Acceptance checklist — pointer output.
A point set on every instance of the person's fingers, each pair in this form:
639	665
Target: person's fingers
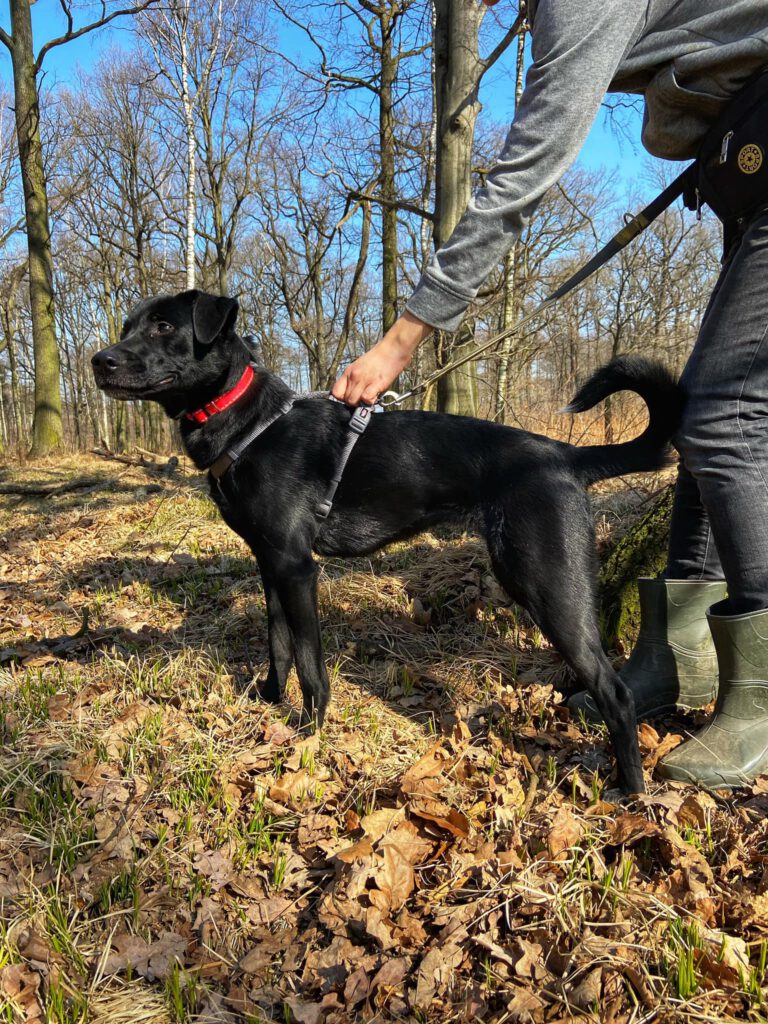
339	389
355	387
370	394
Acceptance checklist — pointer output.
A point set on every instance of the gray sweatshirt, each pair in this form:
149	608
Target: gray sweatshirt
686	57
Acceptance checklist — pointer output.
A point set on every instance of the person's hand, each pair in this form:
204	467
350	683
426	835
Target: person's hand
365	379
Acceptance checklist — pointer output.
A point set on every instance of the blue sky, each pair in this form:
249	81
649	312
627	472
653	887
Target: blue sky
604	148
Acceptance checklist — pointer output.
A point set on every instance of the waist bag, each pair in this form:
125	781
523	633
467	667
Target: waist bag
731	170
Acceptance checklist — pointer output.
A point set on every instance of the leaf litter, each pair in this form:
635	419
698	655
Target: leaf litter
448	848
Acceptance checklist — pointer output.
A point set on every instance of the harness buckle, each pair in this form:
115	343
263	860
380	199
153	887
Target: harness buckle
323	509
359	420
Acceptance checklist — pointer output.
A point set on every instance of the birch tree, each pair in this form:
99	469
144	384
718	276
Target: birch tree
187	62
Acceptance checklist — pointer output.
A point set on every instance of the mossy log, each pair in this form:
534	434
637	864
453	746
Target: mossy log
642	551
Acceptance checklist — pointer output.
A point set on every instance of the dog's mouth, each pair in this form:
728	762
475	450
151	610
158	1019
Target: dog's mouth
125	389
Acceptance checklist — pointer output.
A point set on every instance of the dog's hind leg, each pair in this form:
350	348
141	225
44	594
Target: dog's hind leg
543	555
280	644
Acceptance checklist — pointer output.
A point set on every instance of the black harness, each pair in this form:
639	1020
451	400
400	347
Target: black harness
360	419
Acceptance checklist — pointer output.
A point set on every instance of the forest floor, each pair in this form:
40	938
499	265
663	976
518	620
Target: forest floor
448	848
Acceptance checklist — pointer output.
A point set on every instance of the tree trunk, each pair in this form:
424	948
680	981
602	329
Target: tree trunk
389	250
191	191
642	551
510	264
8	314
458	70
47	432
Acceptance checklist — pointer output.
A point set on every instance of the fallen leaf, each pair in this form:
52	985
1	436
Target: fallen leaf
564	833
379	822
442	815
152	960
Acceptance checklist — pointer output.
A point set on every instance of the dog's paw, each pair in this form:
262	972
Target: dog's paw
269	690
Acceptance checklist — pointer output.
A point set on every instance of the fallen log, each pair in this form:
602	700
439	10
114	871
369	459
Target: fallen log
46	490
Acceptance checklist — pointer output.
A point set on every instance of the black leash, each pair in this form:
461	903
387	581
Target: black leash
682	185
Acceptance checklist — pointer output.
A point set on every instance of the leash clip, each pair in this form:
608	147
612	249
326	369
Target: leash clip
388	398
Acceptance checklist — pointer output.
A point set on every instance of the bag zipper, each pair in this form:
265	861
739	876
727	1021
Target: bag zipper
724	146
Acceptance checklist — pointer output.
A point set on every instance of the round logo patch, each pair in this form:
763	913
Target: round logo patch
750	158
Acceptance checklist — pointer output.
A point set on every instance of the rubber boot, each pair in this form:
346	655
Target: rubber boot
732	750
673	664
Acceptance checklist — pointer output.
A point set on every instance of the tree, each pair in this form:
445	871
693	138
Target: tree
47	432
459	70
186	44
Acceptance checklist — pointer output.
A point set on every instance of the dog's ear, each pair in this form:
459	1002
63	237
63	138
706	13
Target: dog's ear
211	315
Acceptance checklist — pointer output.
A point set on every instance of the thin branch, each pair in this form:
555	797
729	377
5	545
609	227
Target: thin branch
75	34
502	45
397	204
5	38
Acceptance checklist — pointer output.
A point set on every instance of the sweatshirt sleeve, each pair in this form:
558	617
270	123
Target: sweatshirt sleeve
577	49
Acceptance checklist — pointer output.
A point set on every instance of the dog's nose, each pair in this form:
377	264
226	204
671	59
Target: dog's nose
104	360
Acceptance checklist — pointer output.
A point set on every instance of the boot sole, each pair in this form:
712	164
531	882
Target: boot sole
661	709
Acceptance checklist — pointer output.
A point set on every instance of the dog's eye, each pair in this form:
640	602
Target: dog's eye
164	328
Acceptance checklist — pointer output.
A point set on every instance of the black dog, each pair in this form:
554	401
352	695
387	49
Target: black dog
409	471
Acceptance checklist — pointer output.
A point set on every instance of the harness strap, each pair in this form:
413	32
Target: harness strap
218	468
361	417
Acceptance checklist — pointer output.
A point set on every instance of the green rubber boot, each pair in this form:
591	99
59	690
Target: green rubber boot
732	750
673	664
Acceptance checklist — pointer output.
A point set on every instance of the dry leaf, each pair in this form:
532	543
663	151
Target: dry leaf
19	986
564	833
442	815
379	822
151	960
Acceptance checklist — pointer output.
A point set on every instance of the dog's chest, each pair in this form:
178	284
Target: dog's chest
227	508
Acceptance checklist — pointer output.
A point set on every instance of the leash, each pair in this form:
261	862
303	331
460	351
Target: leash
634	226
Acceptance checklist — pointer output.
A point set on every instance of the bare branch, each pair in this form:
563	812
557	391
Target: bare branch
502	45
73	33
396	203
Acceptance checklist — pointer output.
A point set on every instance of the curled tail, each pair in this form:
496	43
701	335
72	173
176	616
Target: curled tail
664	398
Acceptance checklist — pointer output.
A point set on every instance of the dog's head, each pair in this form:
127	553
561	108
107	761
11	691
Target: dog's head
172	347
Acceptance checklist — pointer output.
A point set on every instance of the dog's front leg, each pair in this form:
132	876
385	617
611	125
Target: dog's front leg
295	580
280	643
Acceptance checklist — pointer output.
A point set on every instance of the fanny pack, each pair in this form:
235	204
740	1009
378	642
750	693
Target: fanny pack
731	170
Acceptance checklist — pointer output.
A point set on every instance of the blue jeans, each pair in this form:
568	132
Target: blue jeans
720	514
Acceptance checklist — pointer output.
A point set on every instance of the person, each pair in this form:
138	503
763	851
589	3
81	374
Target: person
705	621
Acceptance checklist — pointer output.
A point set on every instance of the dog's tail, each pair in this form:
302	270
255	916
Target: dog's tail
651	450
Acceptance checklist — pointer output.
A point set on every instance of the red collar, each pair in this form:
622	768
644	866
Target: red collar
223	401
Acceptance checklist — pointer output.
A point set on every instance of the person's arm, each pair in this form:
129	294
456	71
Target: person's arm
577	49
